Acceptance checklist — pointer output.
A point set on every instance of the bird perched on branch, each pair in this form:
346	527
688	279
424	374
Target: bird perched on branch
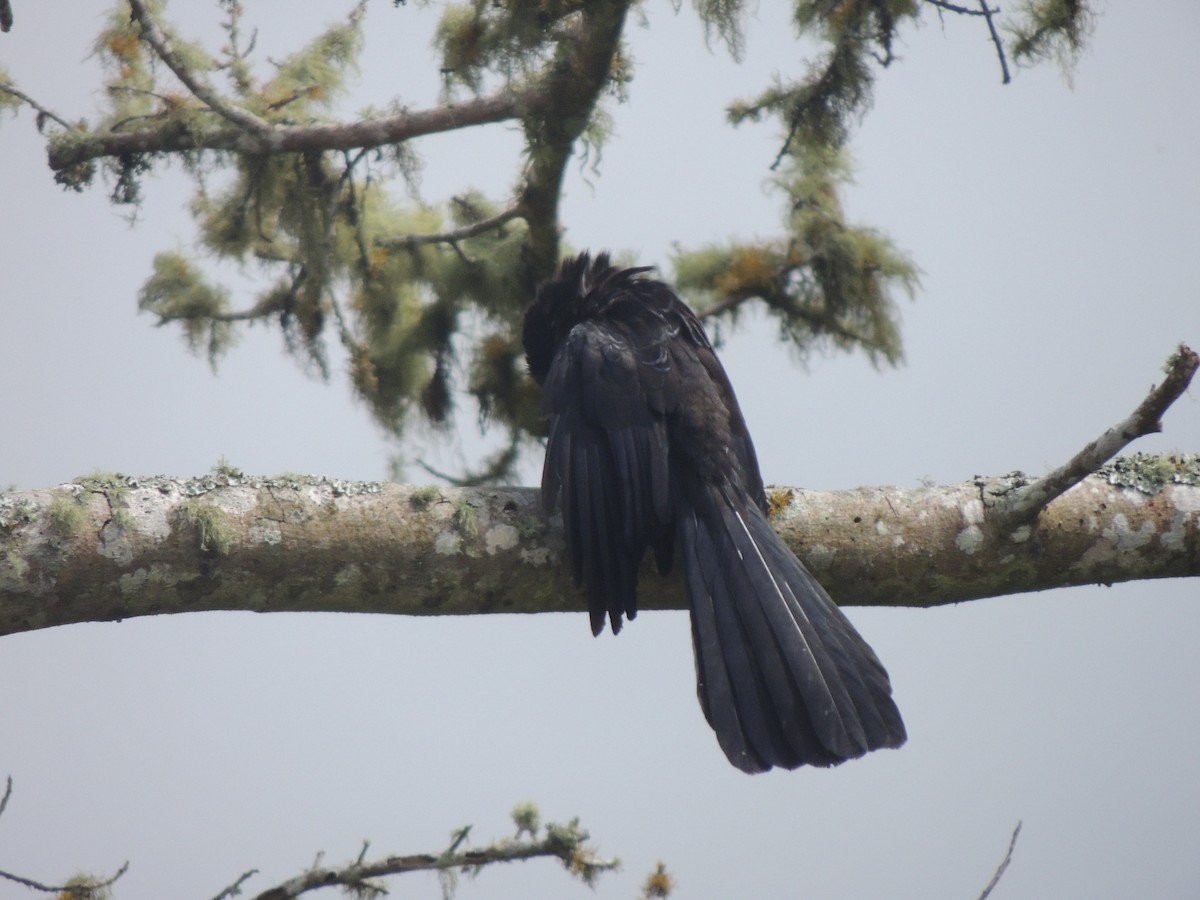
648	450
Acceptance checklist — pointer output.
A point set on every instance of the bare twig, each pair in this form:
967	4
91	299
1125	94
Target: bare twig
161	44
731	301
1012	843
954	8
7	794
42	111
988	12
235	889
1028	500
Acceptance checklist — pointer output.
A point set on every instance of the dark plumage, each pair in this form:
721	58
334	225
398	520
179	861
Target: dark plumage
648	449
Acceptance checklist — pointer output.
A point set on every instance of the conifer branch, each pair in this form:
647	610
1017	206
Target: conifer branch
83	147
161	43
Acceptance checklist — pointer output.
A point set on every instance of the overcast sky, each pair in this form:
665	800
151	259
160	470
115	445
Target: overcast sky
1057	230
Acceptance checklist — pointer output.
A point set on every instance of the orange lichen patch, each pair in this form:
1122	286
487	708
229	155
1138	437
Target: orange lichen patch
750	271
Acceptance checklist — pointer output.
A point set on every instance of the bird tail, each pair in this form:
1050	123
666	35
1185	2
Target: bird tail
783	677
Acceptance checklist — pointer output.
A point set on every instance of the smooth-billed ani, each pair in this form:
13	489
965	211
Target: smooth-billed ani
648	449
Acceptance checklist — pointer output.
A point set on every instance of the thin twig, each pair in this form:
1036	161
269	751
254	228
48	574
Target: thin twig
409	241
161	44
1003	865
726	303
235	889
987	13
67	889
7	794
955	8
1025	502
42	111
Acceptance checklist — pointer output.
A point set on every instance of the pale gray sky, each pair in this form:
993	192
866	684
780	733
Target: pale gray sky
1057	230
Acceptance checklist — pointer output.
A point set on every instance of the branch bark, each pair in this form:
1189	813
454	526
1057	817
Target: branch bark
109	548
75	147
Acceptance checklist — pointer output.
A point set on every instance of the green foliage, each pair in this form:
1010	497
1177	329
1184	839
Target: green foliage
424	497
509	40
426	299
8	102
178	292
308	81
725	18
65	515
528	819
214	534
826	282
658	883
85	887
1052	30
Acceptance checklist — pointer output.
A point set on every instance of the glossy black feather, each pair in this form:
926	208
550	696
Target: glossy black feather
648	449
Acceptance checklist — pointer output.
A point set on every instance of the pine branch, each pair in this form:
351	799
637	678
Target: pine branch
154	36
81	147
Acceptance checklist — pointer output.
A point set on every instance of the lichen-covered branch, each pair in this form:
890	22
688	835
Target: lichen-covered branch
76	147
110	547
578	73
154	36
568	843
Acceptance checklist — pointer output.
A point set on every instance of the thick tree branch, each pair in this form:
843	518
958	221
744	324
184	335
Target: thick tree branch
578	73
81	147
110	548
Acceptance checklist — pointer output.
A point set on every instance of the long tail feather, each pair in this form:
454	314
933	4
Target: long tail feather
784	678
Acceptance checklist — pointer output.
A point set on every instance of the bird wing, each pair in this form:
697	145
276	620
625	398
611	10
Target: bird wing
607	461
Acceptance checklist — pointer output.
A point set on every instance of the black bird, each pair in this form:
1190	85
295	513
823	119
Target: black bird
647	449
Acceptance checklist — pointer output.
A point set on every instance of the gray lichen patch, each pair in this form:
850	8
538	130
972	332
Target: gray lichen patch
16	512
447	544
1187	513
1150	473
116	542
970	540
500	537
